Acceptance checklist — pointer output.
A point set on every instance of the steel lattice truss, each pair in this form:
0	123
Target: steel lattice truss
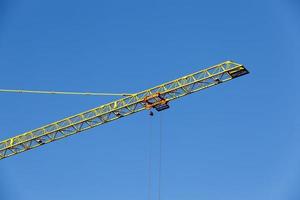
106	113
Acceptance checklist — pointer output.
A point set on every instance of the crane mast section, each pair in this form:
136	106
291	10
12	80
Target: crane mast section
169	91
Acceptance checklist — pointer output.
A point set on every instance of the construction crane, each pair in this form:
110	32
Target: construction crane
157	98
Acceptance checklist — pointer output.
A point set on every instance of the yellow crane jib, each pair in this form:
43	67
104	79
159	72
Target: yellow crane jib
157	98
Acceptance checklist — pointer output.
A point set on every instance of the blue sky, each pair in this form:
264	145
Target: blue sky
236	141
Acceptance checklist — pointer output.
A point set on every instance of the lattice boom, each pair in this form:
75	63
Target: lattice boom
117	109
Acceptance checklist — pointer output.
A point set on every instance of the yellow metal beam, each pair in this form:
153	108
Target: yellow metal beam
156	97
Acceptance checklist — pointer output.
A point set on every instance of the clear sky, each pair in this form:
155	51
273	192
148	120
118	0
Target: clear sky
235	141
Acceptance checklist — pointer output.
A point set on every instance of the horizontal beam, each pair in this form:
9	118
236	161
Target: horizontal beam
120	108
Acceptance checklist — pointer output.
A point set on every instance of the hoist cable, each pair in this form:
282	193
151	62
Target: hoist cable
160	155
150	159
64	93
